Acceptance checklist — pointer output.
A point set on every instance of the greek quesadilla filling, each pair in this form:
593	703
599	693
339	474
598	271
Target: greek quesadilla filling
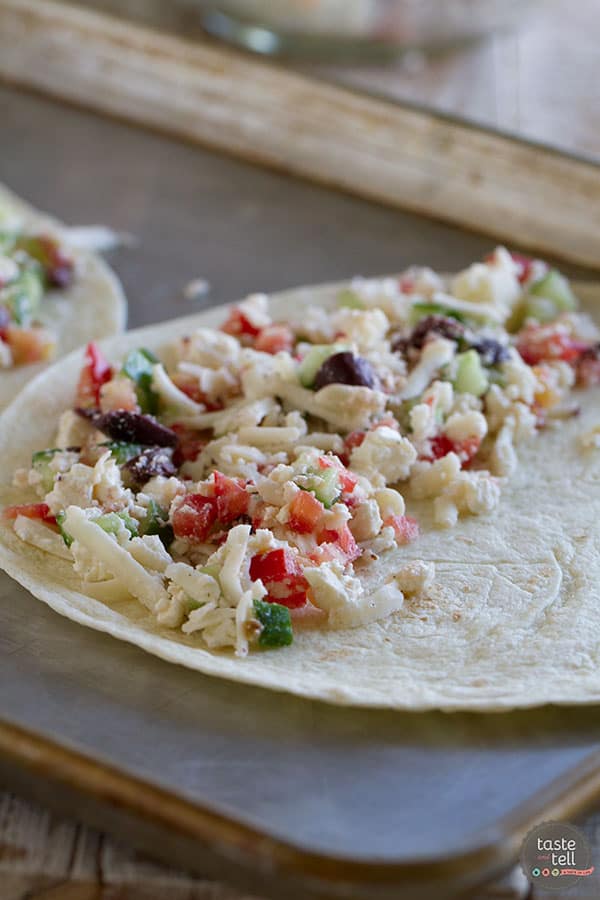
250	480
31	266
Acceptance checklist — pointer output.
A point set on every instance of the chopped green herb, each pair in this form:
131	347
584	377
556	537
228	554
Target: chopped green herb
276	624
138	366
60	518
121	451
156	521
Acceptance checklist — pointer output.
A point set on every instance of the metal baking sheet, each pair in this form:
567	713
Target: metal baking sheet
383	798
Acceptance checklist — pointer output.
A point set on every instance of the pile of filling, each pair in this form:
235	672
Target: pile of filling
31	265
245	483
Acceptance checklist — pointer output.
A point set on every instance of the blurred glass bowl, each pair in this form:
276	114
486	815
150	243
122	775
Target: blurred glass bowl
346	27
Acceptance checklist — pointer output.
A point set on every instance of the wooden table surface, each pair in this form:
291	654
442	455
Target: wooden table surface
540	82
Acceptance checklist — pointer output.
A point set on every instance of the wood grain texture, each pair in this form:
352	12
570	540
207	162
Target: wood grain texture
43	858
538	81
387	152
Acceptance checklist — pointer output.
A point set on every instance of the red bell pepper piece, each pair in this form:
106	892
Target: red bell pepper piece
30	511
96	372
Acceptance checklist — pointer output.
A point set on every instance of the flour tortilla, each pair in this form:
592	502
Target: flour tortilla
93	308
514	619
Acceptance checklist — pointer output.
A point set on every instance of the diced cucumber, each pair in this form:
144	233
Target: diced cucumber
276	624
555	287
112	522
121	451
540	308
471	377
314	359
156	521
60	518
40	461
348	298
23	296
418	311
138	366
323	483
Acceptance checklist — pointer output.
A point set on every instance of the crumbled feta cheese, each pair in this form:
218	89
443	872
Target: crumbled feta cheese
341	596
463	426
415	577
73	488
521	381
384	457
205	347
495	282
471	492
366	521
431	479
365	328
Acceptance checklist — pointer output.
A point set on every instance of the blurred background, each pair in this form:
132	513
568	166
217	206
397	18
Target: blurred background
525	66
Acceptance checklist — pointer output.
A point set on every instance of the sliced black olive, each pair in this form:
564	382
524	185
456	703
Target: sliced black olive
135	428
346	368
151	462
444	326
492	352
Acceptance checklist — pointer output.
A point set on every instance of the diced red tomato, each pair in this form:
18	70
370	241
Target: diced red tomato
28	345
237	324
274	339
539	343
354	439
232	498
342	541
30	511
405	528
194	517
96	372
305	513
281	574
406	284
274	565
440	446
